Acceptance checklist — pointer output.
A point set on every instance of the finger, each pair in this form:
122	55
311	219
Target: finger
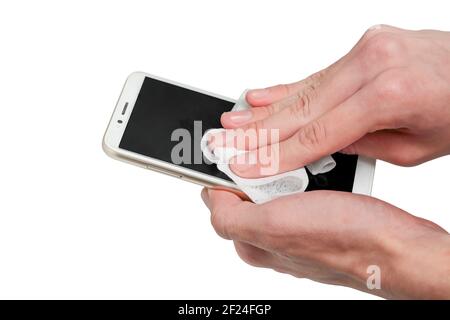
269	95
278	97
308	106
235	219
236	119
214	198
337	87
282	96
325	135
270	101
339	84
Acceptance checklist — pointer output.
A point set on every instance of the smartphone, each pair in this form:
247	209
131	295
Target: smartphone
151	113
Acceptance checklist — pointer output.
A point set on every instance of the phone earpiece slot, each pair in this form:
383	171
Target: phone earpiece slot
125	108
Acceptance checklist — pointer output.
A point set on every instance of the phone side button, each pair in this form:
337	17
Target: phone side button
163	171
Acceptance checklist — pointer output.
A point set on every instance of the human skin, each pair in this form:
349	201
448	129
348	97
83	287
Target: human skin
333	237
388	98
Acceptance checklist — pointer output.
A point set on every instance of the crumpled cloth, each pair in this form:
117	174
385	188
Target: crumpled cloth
261	190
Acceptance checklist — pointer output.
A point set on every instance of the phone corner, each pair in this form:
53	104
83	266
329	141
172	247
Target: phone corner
107	148
135	75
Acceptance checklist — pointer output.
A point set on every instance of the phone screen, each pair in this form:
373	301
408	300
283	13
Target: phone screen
161	108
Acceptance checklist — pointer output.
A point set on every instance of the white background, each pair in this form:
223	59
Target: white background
77	224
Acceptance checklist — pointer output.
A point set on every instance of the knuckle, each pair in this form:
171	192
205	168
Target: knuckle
382	47
318	75
271	109
301	108
314	79
251	135
254	127
254	132
395	84
312	135
374	29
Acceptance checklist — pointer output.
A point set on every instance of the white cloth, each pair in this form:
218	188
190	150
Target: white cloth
261	190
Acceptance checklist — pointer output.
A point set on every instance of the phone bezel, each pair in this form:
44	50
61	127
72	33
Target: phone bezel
115	131
365	167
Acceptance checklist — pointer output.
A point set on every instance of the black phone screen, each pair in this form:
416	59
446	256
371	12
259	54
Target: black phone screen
162	109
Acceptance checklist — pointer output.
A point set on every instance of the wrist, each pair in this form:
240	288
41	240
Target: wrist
420	268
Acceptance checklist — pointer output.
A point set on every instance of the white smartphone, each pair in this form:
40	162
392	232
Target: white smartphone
150	109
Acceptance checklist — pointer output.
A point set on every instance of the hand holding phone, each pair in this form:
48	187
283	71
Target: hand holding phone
158	124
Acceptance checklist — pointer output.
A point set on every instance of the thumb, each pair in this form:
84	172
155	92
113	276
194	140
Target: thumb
231	217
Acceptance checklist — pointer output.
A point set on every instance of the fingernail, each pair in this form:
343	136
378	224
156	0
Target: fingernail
239	117
258	93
